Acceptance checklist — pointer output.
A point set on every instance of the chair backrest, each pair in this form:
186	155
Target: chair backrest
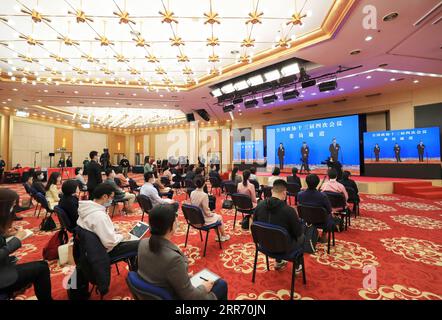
193	214
272	238
312	215
133	184
231	187
267	191
337	200
165	181
40	197
142	290
189	184
214	182
27	188
242	201
352	196
64	219
145	203
293	187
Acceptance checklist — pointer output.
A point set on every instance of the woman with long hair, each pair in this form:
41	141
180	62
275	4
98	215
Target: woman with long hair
52	191
162	264
247	188
69	200
234	176
17	277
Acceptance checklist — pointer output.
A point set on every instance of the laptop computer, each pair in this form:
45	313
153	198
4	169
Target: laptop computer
138	231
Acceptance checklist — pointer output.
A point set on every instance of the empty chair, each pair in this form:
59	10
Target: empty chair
317	216
292	191
65	222
339	205
353	198
142	290
145	204
231	188
195	218
275	242
243	203
215	184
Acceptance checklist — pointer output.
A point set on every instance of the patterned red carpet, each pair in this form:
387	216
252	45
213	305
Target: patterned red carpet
400	237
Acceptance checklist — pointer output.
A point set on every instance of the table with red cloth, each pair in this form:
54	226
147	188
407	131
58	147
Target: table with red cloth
66	172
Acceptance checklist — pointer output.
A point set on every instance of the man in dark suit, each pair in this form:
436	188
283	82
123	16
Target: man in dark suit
2	167
334	150
305	151
281	154
314	198
420	151
94	177
294	178
105	159
397	152
377	151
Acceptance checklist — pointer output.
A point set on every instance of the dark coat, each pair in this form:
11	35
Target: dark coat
8	272
94	177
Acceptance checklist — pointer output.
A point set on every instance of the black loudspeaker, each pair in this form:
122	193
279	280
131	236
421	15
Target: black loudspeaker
328	86
190	117
51	154
203	114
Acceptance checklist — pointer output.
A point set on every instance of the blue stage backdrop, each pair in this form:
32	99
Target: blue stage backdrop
248	151
318	135
408	140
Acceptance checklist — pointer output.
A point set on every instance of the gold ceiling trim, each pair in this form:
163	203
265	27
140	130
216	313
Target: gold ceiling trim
335	16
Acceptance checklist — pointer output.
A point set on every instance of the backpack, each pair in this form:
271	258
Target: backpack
47	224
339	224
227	204
311	236
50	251
245	222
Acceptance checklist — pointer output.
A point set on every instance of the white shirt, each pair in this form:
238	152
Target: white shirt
152	193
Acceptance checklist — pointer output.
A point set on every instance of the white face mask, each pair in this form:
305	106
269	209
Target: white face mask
108	203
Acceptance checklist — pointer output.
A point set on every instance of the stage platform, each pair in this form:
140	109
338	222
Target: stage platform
369	185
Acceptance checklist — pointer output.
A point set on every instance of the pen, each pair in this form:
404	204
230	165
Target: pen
204	279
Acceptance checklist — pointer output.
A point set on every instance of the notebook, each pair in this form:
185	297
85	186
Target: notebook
28	233
138	231
203	275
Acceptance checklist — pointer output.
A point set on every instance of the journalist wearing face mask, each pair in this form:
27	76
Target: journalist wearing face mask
15	278
92	216
38	182
163	264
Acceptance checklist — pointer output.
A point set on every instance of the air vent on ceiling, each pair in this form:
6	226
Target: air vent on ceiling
400	79
82	102
312	105
174	97
373	95
287	109
121	94
339	101
128	103
25	100
266	113
59	91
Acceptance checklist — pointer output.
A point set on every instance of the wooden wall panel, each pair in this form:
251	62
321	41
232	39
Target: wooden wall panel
64	138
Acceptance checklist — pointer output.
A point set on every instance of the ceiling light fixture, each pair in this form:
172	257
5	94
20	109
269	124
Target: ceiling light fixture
255	80
272	75
290	70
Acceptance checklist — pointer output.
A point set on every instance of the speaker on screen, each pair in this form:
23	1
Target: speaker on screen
190	117
203	114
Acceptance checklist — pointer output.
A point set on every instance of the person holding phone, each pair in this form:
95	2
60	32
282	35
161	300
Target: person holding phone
162	264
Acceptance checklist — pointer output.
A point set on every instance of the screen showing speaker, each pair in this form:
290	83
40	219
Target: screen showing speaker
313	142
420	145
248	151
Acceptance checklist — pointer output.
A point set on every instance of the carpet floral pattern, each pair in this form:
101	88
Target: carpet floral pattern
398	238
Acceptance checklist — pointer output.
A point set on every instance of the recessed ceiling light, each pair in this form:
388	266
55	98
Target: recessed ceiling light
390	16
368	77
68	101
15	89
341	89
38	100
134	94
76	92
9	99
314	94
107	93
392	79
356	87
368	38
416	81
93	102
161	96
164	105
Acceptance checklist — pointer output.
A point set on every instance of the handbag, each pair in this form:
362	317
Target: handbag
227	204
50	251
311	236
47	224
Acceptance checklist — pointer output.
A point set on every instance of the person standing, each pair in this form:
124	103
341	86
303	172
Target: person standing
94	177
105	159
420	151
377	151
2	167
397	152
305	151
61	162
281	154
85	164
124	164
69	162
334	150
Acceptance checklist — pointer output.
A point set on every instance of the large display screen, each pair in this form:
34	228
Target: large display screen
248	151
324	138
420	145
